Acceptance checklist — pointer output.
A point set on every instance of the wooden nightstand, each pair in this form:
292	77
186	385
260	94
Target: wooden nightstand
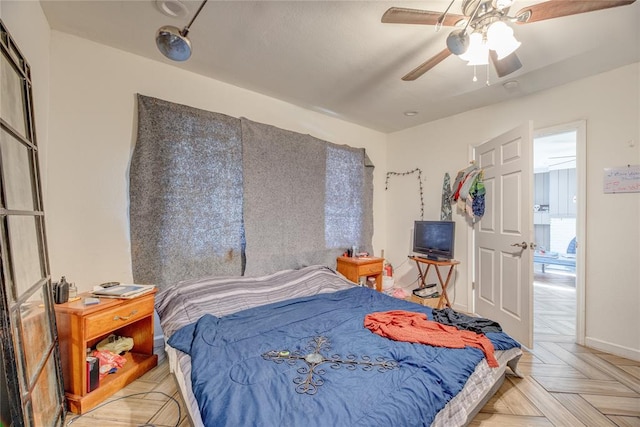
354	268
81	327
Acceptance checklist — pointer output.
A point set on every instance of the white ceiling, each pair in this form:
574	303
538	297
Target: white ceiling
336	57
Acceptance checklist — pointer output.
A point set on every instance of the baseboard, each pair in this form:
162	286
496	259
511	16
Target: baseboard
618	350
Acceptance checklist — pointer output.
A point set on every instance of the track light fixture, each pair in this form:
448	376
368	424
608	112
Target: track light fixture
173	42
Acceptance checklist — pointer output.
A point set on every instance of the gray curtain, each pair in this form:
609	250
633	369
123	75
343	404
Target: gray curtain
185	194
305	200
212	195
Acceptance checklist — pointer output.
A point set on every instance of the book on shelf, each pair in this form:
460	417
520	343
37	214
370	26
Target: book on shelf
122	291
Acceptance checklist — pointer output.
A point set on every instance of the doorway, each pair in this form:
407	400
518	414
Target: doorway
556	220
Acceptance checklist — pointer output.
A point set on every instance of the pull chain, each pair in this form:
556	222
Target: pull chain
488	84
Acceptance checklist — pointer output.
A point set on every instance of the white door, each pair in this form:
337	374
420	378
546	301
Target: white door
503	258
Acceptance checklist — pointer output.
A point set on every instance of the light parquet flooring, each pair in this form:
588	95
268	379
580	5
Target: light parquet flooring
562	384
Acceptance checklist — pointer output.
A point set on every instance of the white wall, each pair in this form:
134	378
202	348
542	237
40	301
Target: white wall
609	103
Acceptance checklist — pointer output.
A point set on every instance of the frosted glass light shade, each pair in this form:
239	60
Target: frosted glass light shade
500	38
478	52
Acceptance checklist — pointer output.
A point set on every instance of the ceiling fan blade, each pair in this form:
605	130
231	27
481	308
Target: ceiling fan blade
426	66
401	15
506	65
562	163
558	8
562	157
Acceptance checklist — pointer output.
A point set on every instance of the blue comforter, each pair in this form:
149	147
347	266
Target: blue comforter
310	362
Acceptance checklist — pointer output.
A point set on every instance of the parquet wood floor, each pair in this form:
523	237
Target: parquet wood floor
563	384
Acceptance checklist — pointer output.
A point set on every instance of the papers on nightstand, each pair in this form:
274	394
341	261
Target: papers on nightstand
122	291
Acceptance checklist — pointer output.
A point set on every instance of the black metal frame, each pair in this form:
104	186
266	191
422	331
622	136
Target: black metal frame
21	388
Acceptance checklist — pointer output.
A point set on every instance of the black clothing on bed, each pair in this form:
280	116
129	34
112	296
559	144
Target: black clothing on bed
479	325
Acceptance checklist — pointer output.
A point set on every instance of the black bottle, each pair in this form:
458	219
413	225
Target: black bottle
62	291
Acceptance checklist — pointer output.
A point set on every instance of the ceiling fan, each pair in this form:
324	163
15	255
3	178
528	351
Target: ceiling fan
483	33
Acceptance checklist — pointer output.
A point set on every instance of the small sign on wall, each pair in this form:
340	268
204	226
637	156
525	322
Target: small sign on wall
624	179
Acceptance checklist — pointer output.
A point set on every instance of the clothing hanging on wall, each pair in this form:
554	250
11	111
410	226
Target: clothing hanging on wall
460	177
463	195
469	191
478	192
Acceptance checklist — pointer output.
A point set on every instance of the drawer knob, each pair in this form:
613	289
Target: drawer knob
125	317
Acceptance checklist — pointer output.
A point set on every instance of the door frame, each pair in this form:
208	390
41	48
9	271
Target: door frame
580	127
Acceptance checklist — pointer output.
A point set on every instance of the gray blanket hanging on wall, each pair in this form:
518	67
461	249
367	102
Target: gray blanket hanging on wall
184	161
203	185
305	200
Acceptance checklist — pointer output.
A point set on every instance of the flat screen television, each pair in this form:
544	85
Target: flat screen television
434	239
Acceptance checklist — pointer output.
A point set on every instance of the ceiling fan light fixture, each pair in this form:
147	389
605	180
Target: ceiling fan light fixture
500	38
507	48
502	4
490	19
478	52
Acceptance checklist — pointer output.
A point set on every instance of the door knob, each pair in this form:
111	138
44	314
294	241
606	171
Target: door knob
532	246
522	245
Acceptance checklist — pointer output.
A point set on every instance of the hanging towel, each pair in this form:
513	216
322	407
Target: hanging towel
414	327
456	185
469	206
464	189
460	178
468	183
445	213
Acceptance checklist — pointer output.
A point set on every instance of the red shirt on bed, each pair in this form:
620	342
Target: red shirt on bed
409	326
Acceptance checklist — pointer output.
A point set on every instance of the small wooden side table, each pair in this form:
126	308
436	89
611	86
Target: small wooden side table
443	283
82	326
354	268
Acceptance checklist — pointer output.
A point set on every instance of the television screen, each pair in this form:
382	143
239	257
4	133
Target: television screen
435	239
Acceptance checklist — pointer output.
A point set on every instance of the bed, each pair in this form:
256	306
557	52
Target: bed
291	348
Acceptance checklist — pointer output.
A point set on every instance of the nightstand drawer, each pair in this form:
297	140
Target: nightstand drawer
355	268
371	269
112	319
